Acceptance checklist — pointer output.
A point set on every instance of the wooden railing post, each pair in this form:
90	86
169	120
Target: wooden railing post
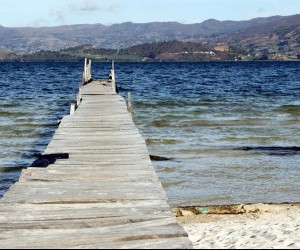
84	70
79	95
113	77
129	104
72	108
87	72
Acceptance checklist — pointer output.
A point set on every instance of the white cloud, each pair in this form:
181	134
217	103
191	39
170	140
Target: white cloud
58	14
87	6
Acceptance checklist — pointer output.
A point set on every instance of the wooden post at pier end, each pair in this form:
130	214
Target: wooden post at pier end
112	77
129	103
79	96
72	108
87	72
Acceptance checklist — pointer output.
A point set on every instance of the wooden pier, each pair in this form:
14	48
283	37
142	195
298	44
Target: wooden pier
99	189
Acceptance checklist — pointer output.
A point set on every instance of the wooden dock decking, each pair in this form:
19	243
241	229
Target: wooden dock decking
105	195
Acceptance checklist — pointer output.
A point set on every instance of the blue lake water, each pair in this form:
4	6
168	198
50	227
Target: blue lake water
232	129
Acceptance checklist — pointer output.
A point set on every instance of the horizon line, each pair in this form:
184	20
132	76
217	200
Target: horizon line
132	22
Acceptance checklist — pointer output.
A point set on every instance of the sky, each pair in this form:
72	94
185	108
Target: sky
40	13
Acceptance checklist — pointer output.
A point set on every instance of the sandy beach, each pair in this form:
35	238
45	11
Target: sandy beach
244	227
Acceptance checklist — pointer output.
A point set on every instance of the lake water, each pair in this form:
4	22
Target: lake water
232	129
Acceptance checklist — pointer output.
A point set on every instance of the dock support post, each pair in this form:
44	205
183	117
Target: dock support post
90	70
87	71
129	105
79	95
113	77
72	108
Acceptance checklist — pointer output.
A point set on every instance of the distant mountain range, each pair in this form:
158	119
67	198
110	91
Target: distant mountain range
277	36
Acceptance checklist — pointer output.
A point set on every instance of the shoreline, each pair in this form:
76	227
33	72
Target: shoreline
242	226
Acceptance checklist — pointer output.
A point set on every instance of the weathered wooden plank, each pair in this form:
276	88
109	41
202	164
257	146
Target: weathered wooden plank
114	141
66	238
84	190
97	153
95	215
161	243
79	176
79	209
118	209
85	159
95	146
125	173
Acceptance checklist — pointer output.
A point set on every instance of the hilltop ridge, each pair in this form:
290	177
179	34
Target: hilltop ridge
265	38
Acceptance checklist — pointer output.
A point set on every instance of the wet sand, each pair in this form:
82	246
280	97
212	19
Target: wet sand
242	227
